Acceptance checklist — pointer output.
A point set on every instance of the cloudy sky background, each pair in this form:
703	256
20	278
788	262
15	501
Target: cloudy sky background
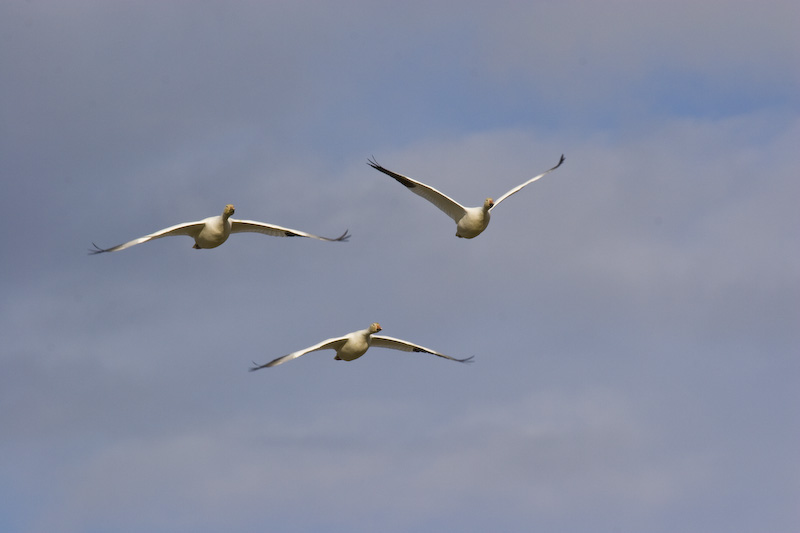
633	316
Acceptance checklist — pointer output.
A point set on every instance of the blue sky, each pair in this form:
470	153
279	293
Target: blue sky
633	315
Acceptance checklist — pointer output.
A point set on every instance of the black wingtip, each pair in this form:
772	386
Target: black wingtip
559	162
343	237
96	250
254	368
399	177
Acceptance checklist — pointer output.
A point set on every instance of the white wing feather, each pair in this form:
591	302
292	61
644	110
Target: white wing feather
449	206
398	344
251	226
519	187
333	344
187	228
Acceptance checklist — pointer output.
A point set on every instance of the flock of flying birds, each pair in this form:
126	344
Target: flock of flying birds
213	231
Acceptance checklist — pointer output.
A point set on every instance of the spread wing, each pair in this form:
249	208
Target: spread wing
519	187
449	206
251	226
397	344
187	228
334	344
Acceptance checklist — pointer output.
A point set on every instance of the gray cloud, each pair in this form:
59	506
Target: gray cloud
632	315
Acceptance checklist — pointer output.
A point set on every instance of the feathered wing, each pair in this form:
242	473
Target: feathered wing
519	187
187	228
397	344
334	344
449	206
251	226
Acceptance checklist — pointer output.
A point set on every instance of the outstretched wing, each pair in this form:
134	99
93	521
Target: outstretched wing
334	344
519	187
397	344
449	206
251	226
187	228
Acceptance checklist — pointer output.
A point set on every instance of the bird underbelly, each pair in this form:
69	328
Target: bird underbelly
469	227
210	239
350	353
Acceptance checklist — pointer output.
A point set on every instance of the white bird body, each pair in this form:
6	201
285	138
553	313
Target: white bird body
353	345
470	221
474	221
213	231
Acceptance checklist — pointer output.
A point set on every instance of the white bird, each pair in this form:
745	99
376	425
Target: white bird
355	344
470	221
213	231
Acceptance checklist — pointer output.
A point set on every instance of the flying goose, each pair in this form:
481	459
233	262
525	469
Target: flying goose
470	221
213	231
355	344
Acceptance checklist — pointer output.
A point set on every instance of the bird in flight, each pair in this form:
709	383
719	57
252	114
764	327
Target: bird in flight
213	231
355	344
470	221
